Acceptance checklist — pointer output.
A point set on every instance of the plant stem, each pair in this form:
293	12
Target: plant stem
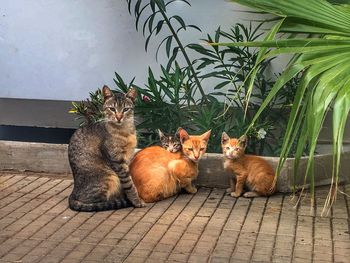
167	21
229	76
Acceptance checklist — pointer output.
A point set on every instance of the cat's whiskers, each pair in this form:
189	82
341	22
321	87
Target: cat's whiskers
137	122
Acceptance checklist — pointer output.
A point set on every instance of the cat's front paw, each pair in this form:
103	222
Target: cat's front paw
250	194
234	194
139	203
191	189
194	190
229	190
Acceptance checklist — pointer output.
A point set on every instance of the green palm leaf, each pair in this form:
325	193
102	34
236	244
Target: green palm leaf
324	61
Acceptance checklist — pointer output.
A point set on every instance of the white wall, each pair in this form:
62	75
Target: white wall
62	49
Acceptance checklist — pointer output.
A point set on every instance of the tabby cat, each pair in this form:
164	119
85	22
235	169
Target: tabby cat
247	171
158	173
99	155
169	142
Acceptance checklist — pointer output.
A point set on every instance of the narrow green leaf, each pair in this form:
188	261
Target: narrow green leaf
159	26
221	85
261	53
168	45
195	27
180	20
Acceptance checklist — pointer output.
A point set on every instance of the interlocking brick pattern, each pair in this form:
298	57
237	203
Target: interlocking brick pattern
37	226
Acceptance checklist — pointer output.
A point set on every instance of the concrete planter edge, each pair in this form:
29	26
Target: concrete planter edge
53	159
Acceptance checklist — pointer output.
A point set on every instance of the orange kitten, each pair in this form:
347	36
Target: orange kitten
247	171
158	173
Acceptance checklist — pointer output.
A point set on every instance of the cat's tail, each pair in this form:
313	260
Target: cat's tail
100	206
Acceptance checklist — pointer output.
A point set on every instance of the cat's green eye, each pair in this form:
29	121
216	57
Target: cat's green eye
111	109
190	149
126	109
202	149
227	148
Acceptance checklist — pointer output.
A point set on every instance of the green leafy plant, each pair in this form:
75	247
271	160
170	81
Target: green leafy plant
317	32
169	101
156	18
228	67
90	110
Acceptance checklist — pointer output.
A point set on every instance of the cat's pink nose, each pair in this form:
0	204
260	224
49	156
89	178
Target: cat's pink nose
119	116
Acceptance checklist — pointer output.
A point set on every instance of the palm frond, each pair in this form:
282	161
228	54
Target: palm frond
323	57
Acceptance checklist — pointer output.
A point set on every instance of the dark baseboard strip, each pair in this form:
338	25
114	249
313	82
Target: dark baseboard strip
35	134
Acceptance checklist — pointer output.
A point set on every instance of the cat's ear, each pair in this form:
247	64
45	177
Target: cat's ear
161	134
131	94
243	141
205	136
224	138
107	93
183	135
177	133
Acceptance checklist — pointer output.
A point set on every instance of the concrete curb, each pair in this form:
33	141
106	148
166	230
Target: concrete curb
53	159
36	157
212	174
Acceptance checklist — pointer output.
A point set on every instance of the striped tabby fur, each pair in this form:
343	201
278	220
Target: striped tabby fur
99	155
171	143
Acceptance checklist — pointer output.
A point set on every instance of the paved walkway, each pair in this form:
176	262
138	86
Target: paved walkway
37	226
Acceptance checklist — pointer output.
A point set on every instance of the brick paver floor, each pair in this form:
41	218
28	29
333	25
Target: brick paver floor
37	226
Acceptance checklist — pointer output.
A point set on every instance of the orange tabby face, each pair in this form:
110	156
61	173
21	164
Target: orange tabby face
233	148
194	146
